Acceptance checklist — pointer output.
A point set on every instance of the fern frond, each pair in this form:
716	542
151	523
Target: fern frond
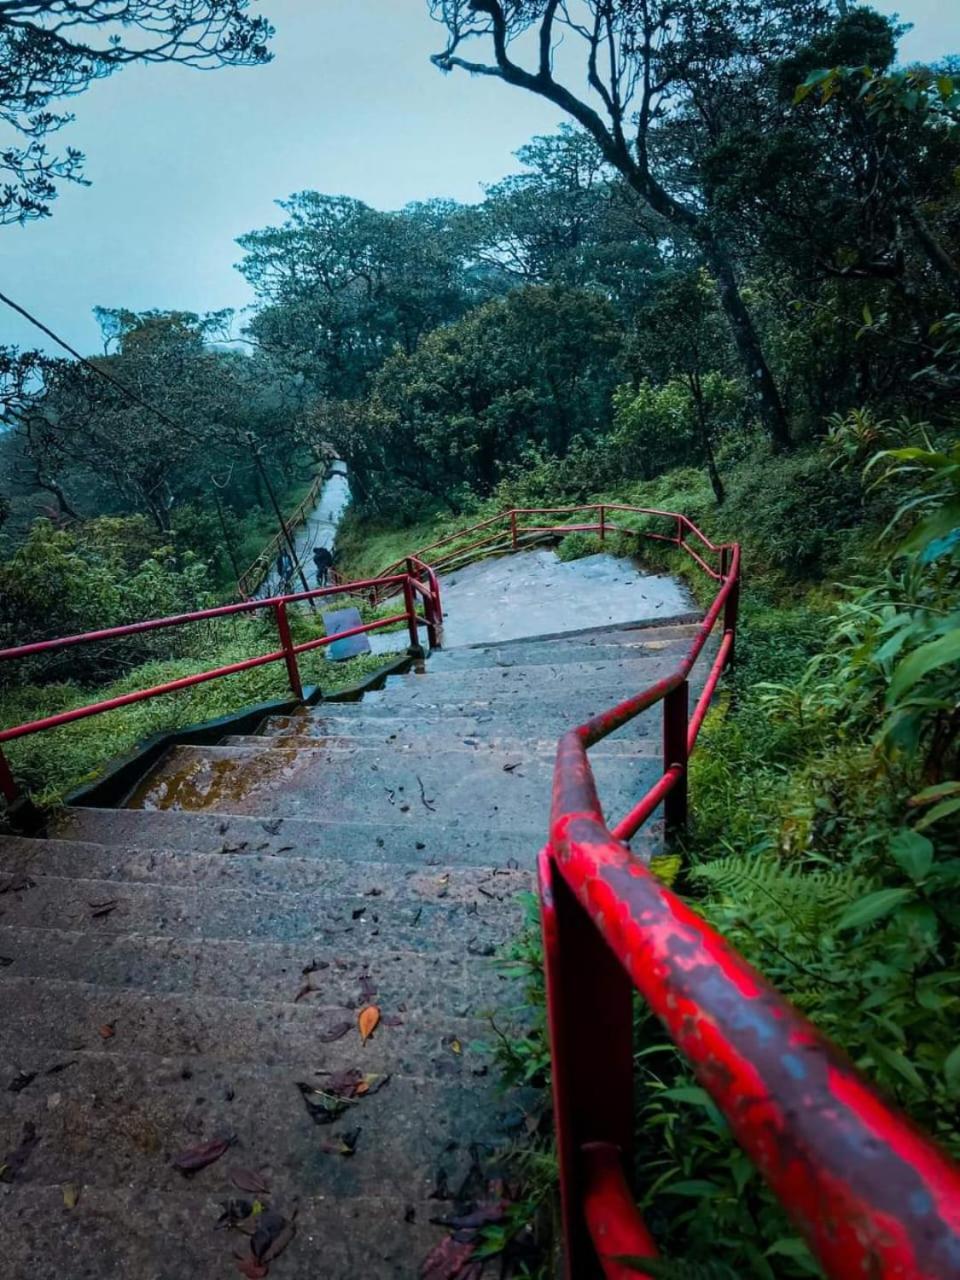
760	884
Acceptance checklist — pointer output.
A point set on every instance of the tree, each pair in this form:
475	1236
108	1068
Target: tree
54	49
568	218
84	431
679	342
668	81
342	284
535	368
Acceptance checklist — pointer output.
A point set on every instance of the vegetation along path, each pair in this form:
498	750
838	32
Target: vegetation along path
266	977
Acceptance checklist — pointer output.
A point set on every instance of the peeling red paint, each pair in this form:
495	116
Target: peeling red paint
874	1197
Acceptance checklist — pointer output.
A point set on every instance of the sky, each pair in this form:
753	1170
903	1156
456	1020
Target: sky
182	162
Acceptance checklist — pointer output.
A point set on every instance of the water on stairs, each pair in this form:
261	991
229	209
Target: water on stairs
172	972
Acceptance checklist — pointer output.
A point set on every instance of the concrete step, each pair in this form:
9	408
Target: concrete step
105	908
456	843
125	1234
493	791
261	872
41	1017
113	1119
464	979
557	652
619	677
413	742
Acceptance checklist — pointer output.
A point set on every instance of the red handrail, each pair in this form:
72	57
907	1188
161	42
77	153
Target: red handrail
409	582
872	1195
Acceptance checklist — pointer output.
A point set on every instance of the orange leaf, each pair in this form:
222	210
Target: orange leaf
106	1031
367	1020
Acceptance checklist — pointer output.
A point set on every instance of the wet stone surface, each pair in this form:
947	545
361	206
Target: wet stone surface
194	977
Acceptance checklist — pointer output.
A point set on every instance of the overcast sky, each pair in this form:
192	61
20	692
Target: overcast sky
183	162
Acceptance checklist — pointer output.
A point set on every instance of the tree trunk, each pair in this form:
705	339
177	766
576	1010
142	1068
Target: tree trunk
759	378
706	444
935	253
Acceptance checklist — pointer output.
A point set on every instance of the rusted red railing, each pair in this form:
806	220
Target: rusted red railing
418	580
871	1194
506	532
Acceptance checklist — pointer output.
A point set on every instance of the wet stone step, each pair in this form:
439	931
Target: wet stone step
637	644
121	1121
426	880
102	908
415	743
613	674
466	981
173	1235
423	791
454	842
46	1017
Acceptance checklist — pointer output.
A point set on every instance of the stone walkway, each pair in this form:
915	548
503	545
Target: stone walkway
186	981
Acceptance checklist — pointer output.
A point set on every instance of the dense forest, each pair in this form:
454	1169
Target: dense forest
730	287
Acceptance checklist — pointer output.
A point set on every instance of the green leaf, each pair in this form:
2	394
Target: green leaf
945	87
937	812
940	791
913	853
929	657
696	1187
951	1070
873	907
942	521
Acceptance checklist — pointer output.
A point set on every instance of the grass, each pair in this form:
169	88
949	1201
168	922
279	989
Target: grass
49	765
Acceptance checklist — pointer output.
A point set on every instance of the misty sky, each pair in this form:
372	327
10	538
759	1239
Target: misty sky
183	162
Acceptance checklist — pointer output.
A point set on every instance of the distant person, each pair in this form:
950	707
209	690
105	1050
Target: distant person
284	569
323	561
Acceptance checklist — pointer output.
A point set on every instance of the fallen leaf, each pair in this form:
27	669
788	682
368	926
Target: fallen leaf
368	988
305	990
509	768
270	1224
14	1161
322	1107
281	1239
314	965
107	1030
341	1145
99	909
21	1080
196	1158
60	1066
448	1260
16	883
392	1020
367	1020
248	1266
5	961
453	1044
336	1032
71	1194
370	1084
234	1211
248	1180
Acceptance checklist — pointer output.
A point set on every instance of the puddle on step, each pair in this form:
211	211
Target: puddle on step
202	783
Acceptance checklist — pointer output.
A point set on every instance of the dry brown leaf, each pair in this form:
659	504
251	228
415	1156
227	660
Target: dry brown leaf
71	1194
107	1030
367	1020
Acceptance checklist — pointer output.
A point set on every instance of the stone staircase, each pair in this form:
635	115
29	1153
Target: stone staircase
171	972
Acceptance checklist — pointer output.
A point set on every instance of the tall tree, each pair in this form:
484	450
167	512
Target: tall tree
342	284
668	81
54	49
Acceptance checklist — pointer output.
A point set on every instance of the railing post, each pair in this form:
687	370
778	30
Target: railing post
513	529
676	714
731	611
410	605
590	1010
8	784
289	653
603	523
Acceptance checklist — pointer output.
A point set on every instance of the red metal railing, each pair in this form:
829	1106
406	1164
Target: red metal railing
872	1195
418	580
